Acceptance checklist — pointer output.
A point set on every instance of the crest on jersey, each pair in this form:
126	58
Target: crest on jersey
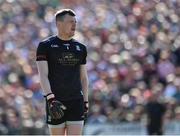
78	48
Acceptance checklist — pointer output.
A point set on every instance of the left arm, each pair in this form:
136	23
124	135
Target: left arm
84	81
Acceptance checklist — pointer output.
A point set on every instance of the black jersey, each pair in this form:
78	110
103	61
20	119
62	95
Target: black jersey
64	59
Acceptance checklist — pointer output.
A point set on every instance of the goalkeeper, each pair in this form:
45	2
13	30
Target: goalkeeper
63	76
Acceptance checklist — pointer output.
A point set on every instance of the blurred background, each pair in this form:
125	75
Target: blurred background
133	51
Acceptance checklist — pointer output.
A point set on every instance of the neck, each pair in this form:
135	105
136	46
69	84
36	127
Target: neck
63	36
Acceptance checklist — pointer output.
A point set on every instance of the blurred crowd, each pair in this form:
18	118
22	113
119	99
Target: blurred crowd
133	52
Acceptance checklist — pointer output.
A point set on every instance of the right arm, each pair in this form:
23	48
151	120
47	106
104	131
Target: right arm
43	74
55	107
42	65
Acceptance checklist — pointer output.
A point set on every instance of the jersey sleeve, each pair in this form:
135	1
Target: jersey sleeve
84	56
42	51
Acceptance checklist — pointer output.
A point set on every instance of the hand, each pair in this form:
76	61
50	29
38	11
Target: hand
86	108
55	107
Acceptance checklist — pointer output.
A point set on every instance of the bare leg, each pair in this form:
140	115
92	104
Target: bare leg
57	129
74	127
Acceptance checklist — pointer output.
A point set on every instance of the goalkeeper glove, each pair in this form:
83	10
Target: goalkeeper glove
55	107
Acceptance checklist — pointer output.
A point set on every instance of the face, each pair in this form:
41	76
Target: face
67	26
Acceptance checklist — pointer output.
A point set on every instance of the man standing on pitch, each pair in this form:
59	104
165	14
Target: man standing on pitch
63	76
155	110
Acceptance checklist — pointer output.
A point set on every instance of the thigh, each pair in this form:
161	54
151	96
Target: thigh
75	117
74	128
57	129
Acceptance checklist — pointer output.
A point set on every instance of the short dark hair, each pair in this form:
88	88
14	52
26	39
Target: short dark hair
60	14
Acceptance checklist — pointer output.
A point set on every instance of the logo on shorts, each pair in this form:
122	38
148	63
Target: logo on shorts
49	118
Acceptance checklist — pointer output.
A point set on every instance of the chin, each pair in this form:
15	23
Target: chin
71	34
